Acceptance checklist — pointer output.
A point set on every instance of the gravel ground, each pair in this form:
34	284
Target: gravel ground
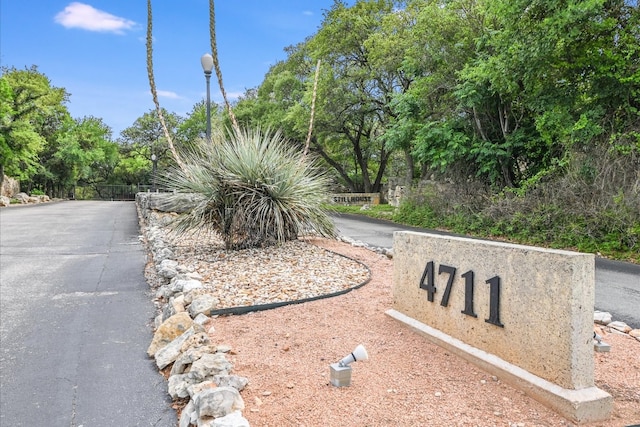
286	352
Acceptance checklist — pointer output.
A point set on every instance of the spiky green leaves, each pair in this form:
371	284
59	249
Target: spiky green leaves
254	189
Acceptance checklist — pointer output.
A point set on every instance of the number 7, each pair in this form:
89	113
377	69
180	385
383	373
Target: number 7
447	291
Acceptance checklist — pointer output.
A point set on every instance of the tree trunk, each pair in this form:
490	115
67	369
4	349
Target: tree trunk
410	165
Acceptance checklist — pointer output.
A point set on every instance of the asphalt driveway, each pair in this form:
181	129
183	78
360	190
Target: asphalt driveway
76	319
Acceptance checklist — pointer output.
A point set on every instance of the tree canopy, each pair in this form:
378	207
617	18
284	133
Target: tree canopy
501	91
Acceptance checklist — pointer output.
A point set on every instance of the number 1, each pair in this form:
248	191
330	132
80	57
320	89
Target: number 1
494	302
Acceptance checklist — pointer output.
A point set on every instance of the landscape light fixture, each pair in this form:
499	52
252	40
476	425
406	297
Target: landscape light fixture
207	66
340	373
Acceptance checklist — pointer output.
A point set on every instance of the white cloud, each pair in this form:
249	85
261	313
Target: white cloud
168	94
307	13
86	17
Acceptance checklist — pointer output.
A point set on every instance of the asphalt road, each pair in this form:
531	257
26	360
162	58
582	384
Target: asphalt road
76	319
617	284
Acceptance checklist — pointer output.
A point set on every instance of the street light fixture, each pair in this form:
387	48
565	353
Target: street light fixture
207	66
154	159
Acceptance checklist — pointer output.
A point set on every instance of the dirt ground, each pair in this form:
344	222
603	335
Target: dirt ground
407	381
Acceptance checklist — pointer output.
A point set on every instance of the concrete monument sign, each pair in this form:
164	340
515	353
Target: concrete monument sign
522	313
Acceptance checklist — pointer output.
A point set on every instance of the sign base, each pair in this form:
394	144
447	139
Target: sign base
585	405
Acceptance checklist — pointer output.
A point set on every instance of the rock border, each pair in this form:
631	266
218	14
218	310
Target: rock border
23	199
197	371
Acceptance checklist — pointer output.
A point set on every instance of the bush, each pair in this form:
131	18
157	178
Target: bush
593	205
253	189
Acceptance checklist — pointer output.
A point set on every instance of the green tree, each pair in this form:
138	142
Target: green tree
194	126
32	110
436	41
82	153
144	138
357	82
546	77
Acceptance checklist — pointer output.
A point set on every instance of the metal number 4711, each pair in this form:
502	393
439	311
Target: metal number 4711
427	282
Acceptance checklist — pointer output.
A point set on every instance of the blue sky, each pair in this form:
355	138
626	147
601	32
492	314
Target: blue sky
95	49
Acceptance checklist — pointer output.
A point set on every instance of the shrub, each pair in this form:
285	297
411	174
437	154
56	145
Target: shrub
253	188
592	205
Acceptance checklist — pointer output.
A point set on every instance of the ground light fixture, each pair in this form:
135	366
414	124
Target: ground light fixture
340	373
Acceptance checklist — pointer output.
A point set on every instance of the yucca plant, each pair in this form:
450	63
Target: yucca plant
253	188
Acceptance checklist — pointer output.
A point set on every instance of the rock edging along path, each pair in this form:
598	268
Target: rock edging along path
198	372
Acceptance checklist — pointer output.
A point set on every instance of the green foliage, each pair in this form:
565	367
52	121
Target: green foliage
194	126
79	152
381	211
147	132
30	110
254	189
41	145
592	206
145	137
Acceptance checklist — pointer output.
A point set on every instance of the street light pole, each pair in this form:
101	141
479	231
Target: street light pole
207	66
154	159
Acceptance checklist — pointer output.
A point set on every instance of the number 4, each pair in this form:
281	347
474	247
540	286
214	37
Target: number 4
429	286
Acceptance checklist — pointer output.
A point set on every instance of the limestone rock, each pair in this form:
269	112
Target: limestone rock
198	387
190	285
235	381
620	326
203	304
185	360
188	412
163	254
157	321
635	333
170	329
195	276
169	353
602	317
179	384
5	201
168	269
164	292
178	304
22	198
223	348
182	284
169	202
167	312
210	365
198	339
201	319
218	402
234	419
10	187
